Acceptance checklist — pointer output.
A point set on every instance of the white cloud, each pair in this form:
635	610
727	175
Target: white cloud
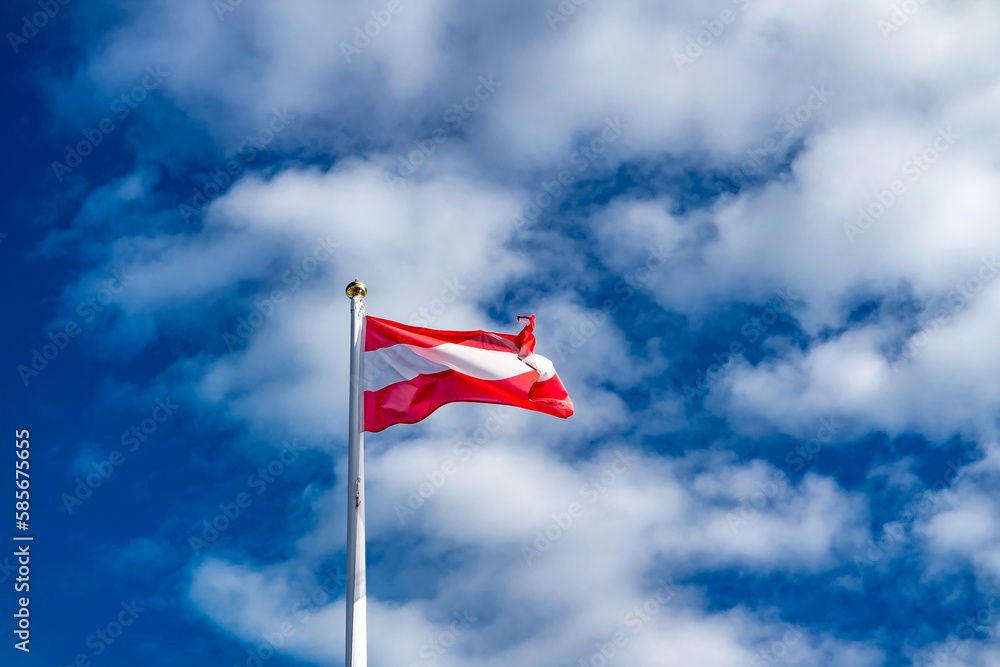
633	512
443	241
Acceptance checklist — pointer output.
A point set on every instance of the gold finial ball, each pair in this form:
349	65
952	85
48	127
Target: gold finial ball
357	289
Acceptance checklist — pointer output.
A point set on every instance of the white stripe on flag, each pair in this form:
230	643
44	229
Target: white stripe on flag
400	363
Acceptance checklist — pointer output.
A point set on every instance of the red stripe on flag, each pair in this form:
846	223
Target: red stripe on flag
409	402
381	333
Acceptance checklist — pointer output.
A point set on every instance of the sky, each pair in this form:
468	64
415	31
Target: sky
760	240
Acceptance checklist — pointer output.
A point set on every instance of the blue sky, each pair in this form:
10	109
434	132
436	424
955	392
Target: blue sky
759	238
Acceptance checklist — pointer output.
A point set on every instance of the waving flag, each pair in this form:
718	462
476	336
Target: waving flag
401	374
409	372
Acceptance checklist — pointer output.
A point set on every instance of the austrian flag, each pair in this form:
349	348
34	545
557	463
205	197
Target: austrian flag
409	372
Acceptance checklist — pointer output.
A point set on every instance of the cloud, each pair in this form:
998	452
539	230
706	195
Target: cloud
859	179
540	527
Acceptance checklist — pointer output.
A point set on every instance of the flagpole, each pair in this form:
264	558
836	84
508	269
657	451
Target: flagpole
357	627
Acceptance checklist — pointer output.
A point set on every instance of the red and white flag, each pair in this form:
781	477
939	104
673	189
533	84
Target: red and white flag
409	372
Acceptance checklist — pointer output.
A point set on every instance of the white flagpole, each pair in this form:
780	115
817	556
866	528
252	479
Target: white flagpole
357	627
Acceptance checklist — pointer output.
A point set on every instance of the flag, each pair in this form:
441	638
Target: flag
409	372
